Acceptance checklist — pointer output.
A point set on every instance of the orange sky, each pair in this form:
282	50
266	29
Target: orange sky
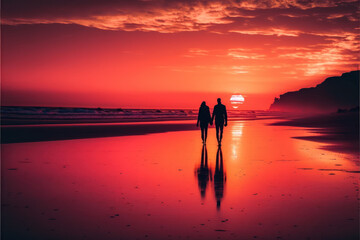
171	54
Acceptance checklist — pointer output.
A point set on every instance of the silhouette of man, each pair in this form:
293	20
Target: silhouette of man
220	116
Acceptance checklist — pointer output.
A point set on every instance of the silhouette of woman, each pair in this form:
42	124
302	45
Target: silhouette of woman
203	172
219	178
204	119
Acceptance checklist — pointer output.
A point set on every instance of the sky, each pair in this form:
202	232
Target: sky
171	54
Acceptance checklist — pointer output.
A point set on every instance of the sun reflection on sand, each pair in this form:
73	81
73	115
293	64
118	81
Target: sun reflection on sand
236	135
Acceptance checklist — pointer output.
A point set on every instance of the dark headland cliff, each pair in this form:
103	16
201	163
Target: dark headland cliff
333	94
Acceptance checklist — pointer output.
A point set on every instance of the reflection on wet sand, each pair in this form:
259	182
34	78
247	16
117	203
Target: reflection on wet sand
236	135
146	187
203	172
204	175
219	178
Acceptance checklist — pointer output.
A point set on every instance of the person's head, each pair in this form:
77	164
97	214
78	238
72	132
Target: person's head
203	104
219	100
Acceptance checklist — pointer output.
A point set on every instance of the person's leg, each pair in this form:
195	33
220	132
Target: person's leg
202	133
205	133
217	132
221	132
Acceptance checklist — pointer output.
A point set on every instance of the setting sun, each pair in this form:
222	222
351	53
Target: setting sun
236	100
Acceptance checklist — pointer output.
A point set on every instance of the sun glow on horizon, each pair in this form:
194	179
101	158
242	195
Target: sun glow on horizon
237	100
141	53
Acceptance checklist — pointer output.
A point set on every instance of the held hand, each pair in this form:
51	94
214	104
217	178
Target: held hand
225	124
197	124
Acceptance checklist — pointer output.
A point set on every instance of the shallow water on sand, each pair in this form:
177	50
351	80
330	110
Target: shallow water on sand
269	186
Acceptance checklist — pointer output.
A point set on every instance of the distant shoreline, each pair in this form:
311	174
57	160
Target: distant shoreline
339	131
20	122
52	132
19	134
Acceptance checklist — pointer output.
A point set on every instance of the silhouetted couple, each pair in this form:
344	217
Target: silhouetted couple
204	118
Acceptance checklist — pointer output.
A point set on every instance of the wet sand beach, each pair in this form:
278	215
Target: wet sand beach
53	132
265	184
339	130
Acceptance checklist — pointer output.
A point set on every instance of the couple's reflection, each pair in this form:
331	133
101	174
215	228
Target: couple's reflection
219	178
203	172
204	175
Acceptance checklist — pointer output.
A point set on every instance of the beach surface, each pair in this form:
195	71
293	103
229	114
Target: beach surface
339	130
150	181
